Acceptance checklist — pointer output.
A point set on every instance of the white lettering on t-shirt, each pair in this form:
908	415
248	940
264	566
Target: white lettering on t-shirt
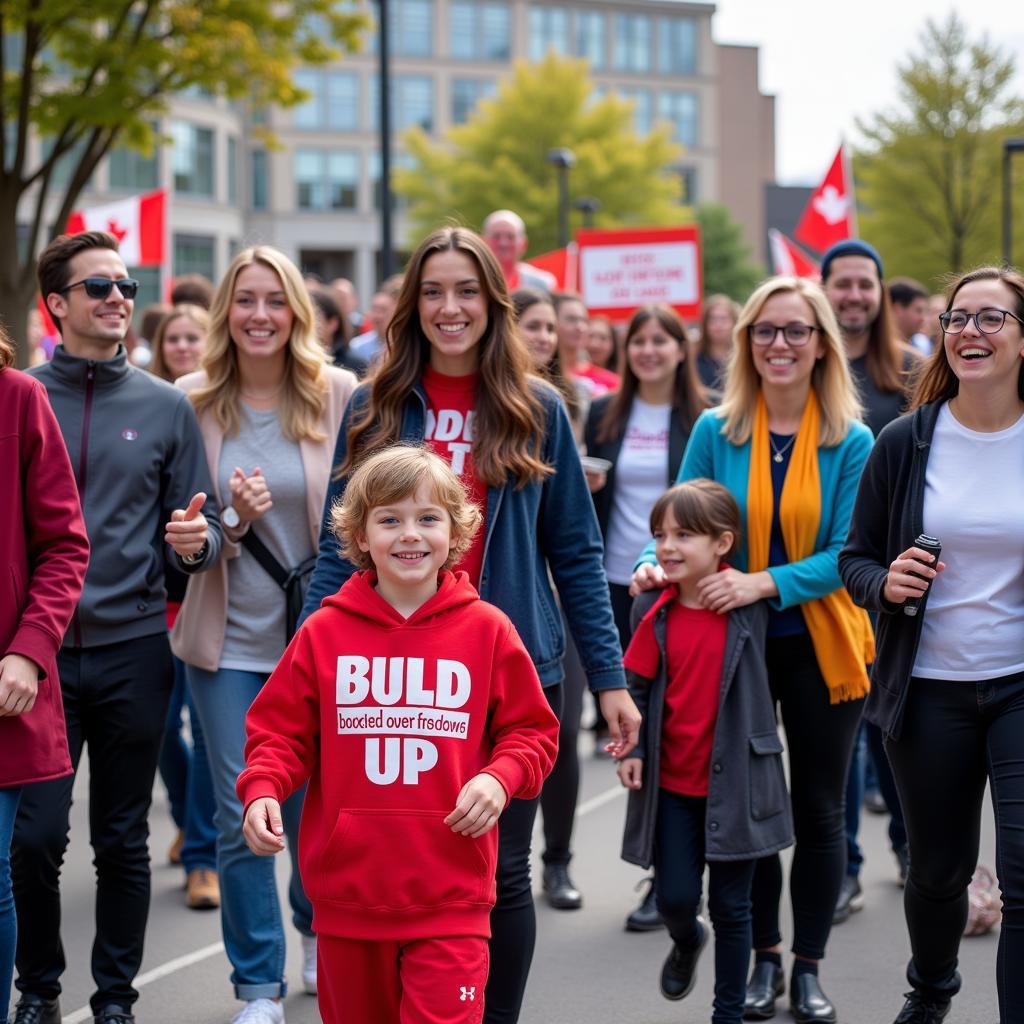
454	429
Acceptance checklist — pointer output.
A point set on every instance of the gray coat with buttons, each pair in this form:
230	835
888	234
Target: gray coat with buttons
748	809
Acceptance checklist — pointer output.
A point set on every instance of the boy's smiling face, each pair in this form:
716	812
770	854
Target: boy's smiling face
687	556
409	541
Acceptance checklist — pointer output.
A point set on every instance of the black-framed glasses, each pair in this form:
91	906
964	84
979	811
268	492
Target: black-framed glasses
796	333
99	287
988	321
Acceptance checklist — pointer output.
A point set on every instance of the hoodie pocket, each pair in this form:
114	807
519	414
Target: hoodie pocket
394	860
768	794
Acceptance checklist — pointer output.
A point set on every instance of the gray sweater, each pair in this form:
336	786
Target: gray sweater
137	454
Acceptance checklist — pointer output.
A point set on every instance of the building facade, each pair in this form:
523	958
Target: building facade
315	194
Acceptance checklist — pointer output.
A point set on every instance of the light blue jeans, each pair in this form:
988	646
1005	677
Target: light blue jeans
250	911
8	920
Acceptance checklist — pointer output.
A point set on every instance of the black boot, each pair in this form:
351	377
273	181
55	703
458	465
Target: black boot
558	888
767	983
679	972
646	917
32	1009
919	1010
807	1001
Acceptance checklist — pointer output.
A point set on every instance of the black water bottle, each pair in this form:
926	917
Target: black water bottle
930	544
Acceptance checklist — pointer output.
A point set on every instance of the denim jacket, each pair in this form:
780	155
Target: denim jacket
547	524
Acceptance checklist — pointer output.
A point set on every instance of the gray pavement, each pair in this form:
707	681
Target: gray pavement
586	969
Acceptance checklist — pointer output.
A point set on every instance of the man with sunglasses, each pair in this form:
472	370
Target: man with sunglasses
143	482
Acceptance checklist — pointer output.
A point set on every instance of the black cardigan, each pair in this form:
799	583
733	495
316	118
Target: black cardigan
677	438
887	518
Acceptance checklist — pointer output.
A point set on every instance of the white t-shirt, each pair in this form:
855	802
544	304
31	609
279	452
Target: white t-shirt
641	472
973	627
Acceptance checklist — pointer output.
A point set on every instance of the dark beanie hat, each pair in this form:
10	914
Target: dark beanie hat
850	247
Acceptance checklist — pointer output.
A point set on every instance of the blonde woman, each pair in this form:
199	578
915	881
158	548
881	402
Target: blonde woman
269	407
788	443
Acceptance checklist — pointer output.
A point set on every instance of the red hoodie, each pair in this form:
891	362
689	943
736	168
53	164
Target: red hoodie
388	718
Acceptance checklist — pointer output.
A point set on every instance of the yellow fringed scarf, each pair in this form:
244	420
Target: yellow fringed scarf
840	631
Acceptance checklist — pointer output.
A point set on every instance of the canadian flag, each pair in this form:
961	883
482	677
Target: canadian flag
830	212
137	224
789	259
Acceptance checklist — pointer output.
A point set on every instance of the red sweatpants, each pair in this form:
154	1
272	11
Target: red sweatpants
422	981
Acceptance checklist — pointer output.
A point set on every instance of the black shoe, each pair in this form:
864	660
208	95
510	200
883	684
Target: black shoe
808	1003
919	1010
112	1013
767	983
679	972
851	899
33	1009
903	864
875	802
558	888
646	917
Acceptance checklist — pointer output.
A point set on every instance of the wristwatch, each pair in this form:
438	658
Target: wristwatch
197	557
229	517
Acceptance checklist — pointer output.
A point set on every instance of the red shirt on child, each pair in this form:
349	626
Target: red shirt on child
449	432
695	650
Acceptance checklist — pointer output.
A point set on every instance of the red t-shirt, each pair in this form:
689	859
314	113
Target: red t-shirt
450	433
601	381
695	650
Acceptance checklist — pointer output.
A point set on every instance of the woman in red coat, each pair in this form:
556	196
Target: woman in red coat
43	557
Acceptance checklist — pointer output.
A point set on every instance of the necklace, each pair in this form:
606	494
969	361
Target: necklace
779	452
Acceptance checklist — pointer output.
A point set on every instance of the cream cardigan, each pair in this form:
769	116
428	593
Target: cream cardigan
198	634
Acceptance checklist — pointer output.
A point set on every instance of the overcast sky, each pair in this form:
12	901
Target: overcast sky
827	62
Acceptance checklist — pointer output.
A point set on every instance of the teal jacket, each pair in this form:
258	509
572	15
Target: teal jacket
710	454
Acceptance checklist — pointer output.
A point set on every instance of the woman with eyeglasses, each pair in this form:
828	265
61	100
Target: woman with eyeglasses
788	443
948	680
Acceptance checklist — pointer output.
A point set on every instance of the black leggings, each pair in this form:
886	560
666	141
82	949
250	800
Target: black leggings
513	919
956	736
819	743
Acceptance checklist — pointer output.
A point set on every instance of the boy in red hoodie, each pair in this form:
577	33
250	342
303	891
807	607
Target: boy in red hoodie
416	714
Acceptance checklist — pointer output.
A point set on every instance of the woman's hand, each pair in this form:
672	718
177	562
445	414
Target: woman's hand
595	480
478	807
19	684
904	578
250	496
631	772
648	576
262	827
729	588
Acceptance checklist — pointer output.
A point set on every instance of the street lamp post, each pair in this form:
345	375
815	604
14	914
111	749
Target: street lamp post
387	256
563	159
1010	146
588	206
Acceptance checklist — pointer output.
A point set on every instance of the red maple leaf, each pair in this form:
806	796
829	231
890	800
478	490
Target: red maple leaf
116	230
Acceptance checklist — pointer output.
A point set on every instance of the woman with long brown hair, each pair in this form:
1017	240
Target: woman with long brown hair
457	377
714	346
948	679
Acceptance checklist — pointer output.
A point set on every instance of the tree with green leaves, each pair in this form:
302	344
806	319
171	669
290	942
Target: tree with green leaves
727	265
86	78
929	176
498	159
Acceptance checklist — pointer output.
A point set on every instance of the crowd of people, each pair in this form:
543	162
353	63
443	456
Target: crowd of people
345	583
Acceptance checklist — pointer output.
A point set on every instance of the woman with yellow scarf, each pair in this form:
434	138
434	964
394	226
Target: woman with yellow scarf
788	443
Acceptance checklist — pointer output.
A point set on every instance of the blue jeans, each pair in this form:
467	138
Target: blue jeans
185	771
679	864
250	911
8	919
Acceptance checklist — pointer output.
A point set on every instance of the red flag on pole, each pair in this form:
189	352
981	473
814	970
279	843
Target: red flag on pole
789	259
829	215
561	263
137	223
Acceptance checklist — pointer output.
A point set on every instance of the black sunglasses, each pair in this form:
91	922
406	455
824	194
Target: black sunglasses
99	287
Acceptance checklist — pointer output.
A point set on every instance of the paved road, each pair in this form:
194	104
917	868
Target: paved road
587	969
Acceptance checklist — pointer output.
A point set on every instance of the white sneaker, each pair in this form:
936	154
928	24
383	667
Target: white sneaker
309	964
260	1011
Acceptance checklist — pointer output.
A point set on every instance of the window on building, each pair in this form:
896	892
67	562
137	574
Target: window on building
677	46
632	43
232	170
466	94
680	108
591	31
479	31
688	176
643	109
194	254
411	24
548	30
326	179
128	169
259	179
192	159
412	102
333	102
149	290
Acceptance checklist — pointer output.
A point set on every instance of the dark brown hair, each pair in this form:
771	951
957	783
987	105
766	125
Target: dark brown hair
508	432
702	506
522	300
6	349
52	265
689	399
937	382
192	290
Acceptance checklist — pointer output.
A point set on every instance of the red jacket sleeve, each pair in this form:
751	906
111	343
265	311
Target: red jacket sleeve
523	727
283	727
57	545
